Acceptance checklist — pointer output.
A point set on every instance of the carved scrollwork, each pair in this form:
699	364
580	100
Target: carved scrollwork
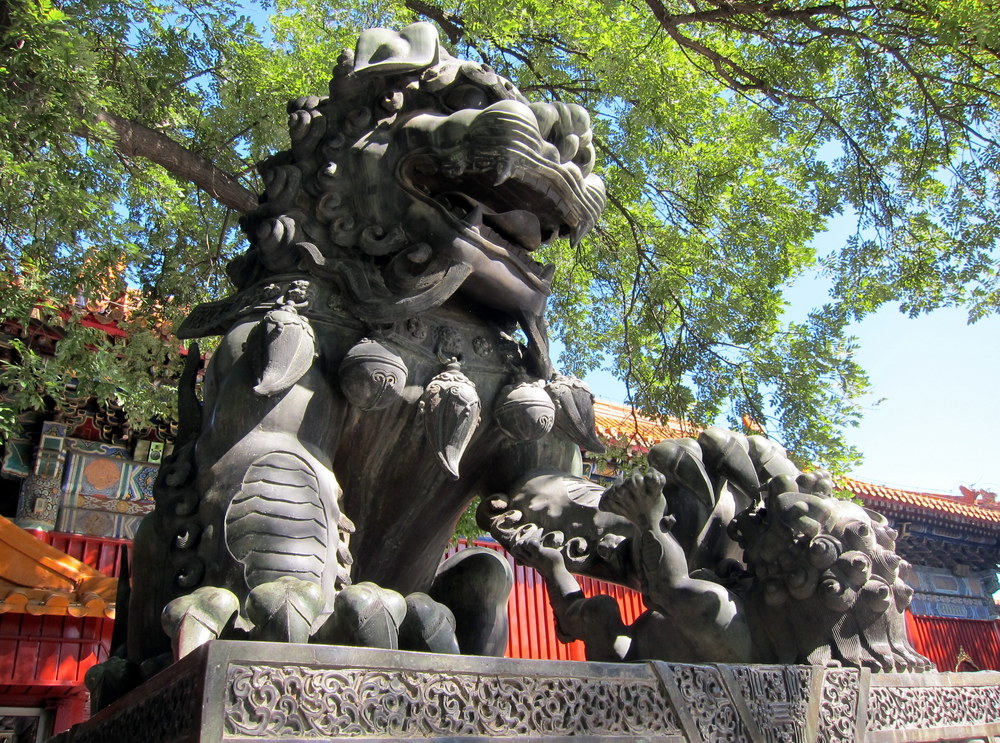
705	694
919	707
271	701
839	705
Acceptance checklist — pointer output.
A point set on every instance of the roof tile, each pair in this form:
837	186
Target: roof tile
933	502
36	578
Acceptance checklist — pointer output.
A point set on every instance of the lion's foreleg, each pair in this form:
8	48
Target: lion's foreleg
704	615
268	505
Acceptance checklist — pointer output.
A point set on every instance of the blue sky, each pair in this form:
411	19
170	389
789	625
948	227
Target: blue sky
932	414
937	427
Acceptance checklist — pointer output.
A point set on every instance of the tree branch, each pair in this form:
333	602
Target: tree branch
451	24
133	139
730	9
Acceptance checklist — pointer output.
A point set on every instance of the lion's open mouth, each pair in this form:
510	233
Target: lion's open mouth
517	231
507	205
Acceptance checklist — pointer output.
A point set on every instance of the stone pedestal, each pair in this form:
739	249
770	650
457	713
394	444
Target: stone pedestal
242	691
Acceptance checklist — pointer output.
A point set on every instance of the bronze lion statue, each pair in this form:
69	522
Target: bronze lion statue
740	558
384	361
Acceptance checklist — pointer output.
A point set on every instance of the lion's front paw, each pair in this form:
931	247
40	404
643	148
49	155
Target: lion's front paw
638	498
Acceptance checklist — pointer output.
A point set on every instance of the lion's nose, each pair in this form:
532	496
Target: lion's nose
567	127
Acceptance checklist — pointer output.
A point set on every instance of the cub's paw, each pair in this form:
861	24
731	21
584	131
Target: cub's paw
639	498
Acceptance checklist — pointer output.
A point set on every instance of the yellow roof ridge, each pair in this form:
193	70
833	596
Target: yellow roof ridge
37	578
32	563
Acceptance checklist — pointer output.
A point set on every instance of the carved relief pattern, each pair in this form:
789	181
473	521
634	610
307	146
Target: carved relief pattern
912	708
210	318
449	341
705	694
300	702
778	700
417	328
482	346
839	705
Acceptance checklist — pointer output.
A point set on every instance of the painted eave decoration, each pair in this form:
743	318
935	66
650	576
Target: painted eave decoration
38	579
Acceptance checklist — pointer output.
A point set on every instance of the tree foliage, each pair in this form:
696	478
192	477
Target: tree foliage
729	134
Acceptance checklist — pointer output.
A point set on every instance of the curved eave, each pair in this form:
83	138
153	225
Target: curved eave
926	507
41	602
38	579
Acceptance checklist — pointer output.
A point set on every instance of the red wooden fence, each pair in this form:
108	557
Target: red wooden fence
943	640
532	626
50	651
97	552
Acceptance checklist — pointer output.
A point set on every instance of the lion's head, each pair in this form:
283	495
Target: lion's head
423	175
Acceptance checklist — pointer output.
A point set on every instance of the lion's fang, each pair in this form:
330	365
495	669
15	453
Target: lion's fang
475	216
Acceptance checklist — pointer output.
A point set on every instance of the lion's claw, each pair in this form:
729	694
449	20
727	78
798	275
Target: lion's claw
638	498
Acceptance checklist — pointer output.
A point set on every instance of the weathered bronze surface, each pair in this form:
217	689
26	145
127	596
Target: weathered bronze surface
242	691
739	556
384	361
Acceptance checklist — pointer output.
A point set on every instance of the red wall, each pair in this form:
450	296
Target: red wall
942	640
50	651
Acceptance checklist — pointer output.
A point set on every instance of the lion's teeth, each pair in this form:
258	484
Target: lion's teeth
475	216
505	169
548	271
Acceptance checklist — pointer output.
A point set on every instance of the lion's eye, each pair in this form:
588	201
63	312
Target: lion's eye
465	96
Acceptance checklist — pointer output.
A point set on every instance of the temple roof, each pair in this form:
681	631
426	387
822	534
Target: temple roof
38	579
619	421
944	505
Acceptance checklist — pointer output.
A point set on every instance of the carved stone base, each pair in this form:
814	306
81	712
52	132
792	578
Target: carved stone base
240	691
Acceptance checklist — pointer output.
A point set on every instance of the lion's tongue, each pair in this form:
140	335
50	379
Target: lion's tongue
518	226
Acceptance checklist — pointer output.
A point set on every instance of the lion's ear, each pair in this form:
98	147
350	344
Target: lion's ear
382	51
